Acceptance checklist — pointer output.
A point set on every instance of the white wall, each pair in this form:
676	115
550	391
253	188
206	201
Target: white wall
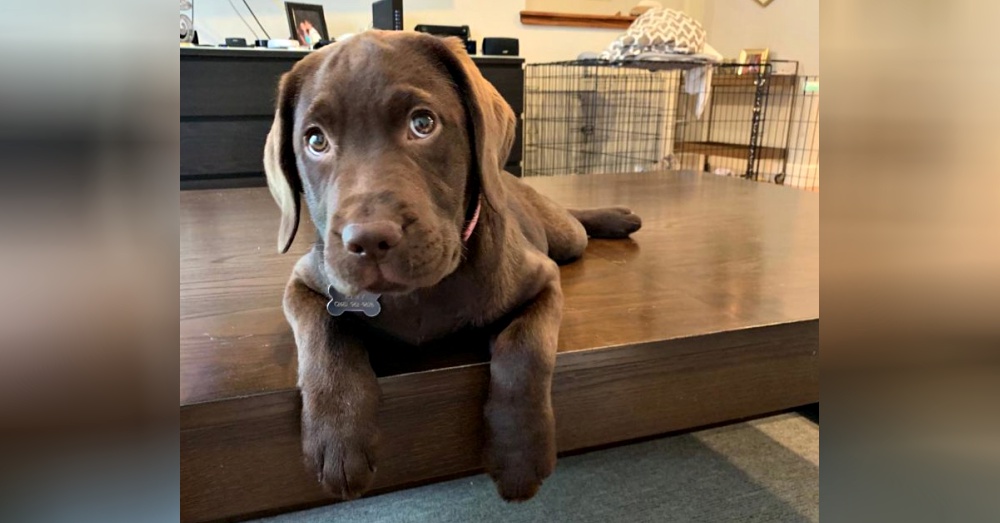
215	20
789	28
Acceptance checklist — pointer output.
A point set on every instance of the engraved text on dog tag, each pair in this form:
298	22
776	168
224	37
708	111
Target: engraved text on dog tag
365	302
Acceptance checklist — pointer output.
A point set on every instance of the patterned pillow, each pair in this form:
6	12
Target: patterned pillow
658	30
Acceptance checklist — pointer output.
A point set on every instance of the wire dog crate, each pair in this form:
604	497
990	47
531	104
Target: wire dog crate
758	121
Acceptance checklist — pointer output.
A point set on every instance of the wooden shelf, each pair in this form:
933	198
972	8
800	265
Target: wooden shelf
727	80
576	20
729	150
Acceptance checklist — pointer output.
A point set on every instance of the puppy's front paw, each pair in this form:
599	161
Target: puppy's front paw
520	453
609	222
343	459
518	476
621	221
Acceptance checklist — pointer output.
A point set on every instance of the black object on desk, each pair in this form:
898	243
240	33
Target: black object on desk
227	105
388	14
461	31
501	46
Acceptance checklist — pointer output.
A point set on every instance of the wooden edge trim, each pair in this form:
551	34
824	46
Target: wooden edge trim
576	20
254	407
432	421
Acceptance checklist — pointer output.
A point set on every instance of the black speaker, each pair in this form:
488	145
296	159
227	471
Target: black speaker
470	47
236	42
500	46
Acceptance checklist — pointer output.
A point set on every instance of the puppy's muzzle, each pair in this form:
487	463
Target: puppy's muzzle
371	240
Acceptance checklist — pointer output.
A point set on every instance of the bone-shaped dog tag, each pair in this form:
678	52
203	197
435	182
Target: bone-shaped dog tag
365	302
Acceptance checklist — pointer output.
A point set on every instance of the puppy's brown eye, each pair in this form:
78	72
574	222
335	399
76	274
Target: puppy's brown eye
316	140
422	123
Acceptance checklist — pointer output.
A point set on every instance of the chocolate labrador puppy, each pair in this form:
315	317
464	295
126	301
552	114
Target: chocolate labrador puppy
397	144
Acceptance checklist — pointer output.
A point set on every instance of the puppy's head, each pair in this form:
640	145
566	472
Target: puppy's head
394	139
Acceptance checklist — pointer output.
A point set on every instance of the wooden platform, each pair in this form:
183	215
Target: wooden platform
710	314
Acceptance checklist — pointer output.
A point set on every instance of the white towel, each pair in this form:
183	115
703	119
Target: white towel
699	80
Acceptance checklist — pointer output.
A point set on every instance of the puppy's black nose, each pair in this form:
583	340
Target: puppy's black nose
371	238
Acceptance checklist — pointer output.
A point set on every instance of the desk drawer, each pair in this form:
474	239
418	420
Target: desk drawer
509	82
517	149
223	147
228	147
227	103
231	87
246	87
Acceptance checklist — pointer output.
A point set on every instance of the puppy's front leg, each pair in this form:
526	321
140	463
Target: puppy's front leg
340	393
521	442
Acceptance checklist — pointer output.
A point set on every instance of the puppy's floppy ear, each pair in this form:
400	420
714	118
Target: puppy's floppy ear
279	160
492	121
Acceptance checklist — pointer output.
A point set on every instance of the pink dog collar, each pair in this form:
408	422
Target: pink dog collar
467	233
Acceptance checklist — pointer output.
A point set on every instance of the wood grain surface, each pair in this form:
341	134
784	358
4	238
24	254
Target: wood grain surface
713	254
576	20
710	313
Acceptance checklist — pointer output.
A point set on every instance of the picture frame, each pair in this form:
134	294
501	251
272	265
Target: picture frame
751	60
187	21
306	23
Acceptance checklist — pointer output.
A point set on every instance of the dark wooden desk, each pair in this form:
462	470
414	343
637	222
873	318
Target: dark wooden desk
710	314
227	104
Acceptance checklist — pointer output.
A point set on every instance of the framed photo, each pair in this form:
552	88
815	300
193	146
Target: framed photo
306	23
187	21
752	58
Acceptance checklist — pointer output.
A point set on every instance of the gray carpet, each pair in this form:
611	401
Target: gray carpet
765	470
